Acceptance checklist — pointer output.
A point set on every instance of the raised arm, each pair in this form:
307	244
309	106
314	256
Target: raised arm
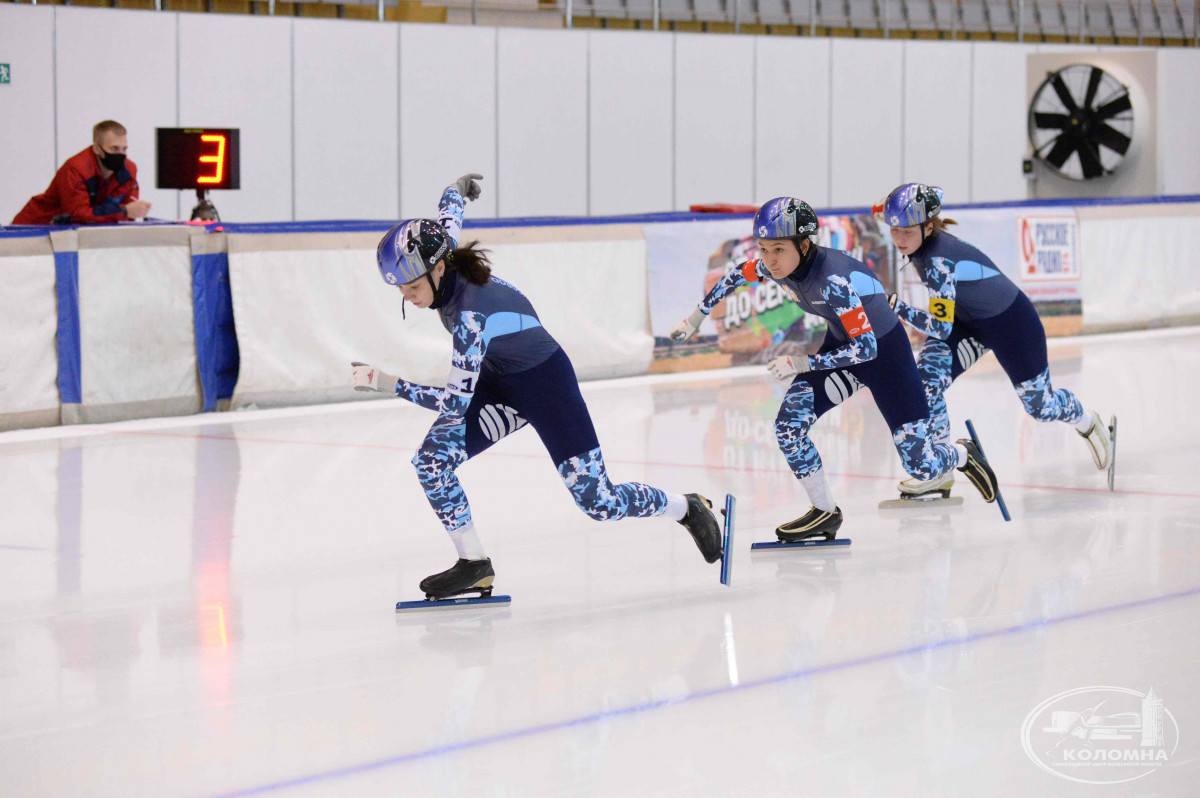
939	320
750	271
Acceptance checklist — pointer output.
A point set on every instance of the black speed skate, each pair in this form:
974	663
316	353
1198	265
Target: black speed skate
813	524
703	526
978	470
466	576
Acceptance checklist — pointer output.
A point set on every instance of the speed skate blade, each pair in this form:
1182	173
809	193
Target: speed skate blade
979	446
799	544
923	504
727	557
429	605
1112	454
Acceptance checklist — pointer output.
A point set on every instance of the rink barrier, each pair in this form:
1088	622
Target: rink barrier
240	337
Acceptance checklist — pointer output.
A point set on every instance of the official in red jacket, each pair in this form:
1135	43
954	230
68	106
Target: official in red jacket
96	186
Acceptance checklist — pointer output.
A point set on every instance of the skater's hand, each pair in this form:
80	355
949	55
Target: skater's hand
684	330
467	187
892	300
369	378
784	368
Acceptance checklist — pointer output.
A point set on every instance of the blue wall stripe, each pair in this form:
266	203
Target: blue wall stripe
66	287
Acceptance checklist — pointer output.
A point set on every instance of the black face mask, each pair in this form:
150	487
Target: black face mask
113	161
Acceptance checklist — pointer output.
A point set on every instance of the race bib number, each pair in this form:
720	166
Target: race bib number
855	321
941	309
462	382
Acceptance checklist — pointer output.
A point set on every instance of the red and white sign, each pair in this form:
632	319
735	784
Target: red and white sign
1047	248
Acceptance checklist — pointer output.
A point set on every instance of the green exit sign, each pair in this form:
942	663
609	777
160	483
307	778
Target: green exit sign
5	73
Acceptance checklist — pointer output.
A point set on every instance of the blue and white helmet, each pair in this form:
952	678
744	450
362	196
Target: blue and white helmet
785	217
910	204
411	249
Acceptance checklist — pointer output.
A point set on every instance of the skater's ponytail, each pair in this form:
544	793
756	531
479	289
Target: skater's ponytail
471	262
940	224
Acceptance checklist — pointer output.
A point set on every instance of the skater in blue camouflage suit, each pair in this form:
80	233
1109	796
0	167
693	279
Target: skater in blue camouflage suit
864	345
506	371
973	308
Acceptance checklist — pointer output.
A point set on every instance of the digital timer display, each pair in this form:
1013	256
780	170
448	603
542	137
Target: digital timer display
198	158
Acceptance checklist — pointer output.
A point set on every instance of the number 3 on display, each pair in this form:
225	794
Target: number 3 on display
217	160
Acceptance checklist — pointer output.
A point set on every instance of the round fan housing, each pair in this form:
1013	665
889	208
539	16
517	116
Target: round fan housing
1081	122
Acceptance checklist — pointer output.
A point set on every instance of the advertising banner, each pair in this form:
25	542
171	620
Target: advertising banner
757	322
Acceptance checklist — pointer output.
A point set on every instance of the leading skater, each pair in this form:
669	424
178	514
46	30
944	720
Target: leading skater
506	371
864	345
973	307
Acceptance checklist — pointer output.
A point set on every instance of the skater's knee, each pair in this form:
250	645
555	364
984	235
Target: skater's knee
790	431
597	511
1035	404
430	466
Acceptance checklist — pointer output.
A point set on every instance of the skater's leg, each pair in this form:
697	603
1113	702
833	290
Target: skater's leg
1020	346
934	365
450	443
808	398
587	478
1044	403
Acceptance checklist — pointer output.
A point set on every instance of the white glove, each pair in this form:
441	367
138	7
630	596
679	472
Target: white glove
892	300
369	378
684	330
784	368
467	187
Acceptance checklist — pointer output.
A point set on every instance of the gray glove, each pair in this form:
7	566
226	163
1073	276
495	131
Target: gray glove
684	330
369	378
467	186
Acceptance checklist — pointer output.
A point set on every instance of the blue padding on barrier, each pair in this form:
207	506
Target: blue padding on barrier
217	354
380	226
66	288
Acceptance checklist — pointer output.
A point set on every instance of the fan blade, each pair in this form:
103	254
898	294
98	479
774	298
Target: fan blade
1089	159
1093	84
1058	155
1050	121
1063	92
1111	109
1110	137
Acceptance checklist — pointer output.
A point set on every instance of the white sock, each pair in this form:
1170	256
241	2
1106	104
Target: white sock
467	542
817	488
676	506
962	454
1084	423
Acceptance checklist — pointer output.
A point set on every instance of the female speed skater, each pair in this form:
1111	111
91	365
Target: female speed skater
506	371
864	345
973	307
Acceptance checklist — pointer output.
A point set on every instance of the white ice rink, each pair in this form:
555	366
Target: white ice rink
204	606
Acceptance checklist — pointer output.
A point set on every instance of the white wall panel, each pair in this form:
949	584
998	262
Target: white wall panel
236	71
345	120
999	138
937	117
714	119
447	115
792	119
542	114
135	85
630	122
1178	122
866	120
26	105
